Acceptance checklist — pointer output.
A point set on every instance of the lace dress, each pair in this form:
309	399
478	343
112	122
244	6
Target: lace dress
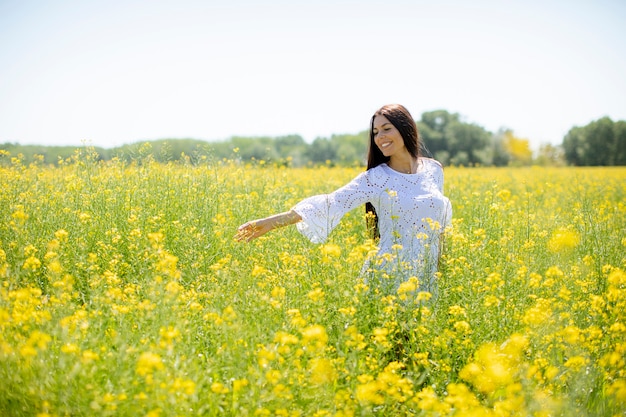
412	213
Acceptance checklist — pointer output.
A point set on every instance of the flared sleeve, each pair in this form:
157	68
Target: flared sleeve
321	213
438	176
447	214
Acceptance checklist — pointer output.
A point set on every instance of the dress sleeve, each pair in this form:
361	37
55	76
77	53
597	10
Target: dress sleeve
437	173
321	213
447	219
438	179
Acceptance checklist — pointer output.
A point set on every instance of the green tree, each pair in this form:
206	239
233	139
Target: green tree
499	155
467	139
601	142
451	140
351	149
575	146
432	129
291	149
259	148
321	151
619	150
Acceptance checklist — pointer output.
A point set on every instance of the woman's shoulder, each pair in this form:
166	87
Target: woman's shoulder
431	162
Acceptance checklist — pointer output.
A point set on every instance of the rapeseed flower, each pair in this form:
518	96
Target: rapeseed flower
314	337
148	363
321	371
563	240
132	283
369	391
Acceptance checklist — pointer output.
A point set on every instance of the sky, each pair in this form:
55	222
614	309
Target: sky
107	73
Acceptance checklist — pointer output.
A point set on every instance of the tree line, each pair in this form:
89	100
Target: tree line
445	136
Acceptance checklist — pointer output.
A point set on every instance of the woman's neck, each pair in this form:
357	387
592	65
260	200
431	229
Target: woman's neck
405	164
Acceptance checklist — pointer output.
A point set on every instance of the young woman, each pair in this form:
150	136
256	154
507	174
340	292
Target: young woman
403	194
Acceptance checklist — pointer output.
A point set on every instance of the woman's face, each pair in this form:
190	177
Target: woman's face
387	137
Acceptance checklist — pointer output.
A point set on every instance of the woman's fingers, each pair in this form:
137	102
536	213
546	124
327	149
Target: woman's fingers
247	232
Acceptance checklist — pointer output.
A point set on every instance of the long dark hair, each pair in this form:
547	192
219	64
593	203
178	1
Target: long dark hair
402	120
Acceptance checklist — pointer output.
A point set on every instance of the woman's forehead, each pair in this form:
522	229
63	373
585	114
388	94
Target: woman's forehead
380	121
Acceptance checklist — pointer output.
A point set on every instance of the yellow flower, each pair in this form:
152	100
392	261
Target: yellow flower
20	216
491	369
258	270
407	287
282	391
273	376
462	327
278	293
32	264
347	311
456	311
156	239
284	338
39	339
576	363
314	336
461	398
491	300
239	384
370	392
380	336
563	240
61	235
149	362
356	339
392	193
229	314
618	390
265	356
316	295
154	413
169	335
617	278
322	371
538	314
166	264
219	388
173	288
424	296
427	401
571	334
69	348
88	356
331	250
504	194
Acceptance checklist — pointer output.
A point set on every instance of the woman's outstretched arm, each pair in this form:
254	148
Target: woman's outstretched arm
255	228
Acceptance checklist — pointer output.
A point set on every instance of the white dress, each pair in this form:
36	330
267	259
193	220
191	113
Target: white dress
412	213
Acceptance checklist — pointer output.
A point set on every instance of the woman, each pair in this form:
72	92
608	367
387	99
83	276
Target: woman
403	194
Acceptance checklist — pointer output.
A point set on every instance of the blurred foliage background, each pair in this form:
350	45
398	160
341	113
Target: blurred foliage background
445	136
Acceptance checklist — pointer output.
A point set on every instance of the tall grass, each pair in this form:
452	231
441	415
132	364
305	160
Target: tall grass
123	293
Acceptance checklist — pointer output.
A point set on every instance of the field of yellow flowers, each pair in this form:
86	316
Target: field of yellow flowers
123	293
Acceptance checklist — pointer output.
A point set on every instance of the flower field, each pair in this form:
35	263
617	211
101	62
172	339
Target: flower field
123	293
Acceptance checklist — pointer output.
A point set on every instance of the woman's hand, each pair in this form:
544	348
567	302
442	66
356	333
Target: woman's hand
256	228
253	229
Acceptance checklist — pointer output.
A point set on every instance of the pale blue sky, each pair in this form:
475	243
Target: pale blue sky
113	72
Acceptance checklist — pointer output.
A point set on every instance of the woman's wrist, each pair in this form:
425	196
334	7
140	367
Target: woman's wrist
284	219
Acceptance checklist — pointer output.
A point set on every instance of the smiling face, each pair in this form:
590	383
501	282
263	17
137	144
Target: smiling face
387	138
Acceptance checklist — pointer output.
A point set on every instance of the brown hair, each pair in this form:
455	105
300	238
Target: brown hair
402	120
